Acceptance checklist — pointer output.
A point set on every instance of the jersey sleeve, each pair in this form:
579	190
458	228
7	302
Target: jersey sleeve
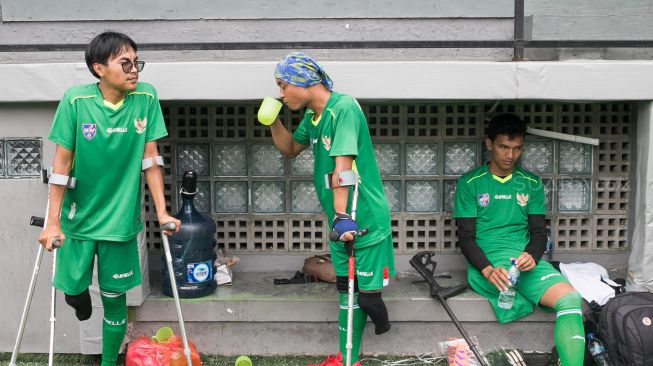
64	124
157	125
346	128
464	201
301	135
536	203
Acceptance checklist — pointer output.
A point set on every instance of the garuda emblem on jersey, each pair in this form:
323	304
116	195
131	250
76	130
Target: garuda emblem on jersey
483	199
522	199
140	125
89	130
326	142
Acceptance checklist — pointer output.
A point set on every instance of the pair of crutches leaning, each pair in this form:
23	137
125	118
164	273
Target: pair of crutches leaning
69	183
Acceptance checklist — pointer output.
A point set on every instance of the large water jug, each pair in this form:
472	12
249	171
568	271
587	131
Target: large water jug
192	248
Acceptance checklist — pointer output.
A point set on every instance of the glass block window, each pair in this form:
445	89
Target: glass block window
304	198
421	196
574	195
230	160
537	157
264	202
193	157
267	160
387	158
421	159
575	158
231	197
22	158
459	158
392	189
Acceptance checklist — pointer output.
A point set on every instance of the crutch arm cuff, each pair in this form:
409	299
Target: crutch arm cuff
149	162
62	180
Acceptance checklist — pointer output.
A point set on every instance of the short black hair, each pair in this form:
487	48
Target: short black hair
506	124
105	45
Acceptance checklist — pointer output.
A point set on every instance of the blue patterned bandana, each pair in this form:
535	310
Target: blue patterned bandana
301	70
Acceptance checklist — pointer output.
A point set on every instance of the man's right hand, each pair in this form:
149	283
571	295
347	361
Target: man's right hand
496	276
48	235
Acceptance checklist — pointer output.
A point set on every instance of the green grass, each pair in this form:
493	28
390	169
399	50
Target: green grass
495	358
31	359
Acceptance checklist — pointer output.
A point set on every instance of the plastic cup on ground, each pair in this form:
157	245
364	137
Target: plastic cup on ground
163	334
269	110
243	361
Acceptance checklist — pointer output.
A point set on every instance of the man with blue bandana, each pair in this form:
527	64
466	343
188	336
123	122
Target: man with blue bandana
334	127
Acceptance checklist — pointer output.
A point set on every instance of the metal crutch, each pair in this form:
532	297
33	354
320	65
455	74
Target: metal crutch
38	221
348	178
170	226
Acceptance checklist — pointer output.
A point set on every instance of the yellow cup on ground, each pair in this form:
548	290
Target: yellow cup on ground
163	334
243	361
269	110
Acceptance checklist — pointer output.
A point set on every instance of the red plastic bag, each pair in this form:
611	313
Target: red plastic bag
145	352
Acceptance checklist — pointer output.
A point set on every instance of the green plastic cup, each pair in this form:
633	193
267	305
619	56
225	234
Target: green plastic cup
163	334
243	361
269	110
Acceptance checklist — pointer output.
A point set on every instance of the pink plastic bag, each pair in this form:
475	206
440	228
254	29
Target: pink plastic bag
145	352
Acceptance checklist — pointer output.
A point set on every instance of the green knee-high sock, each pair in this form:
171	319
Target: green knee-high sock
360	319
114	326
569	334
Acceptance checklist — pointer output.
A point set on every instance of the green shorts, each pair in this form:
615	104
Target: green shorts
117	262
375	264
530	288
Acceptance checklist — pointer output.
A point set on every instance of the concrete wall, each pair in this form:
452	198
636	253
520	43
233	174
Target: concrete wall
66	22
22	198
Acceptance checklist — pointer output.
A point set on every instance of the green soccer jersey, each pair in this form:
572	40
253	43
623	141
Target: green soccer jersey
107	142
501	207
342	130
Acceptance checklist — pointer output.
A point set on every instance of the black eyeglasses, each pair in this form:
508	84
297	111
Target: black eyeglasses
127	66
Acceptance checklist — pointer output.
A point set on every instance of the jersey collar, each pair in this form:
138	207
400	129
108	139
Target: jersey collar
496	177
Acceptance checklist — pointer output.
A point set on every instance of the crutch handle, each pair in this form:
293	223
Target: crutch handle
170	226
37	221
56	243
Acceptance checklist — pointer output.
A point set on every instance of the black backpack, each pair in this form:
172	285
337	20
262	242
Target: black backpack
625	326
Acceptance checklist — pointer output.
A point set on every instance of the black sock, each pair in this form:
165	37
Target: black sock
81	303
372	304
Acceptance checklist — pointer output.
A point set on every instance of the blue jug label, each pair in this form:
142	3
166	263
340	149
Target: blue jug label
199	272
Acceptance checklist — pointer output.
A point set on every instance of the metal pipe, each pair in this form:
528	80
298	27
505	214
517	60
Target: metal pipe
518	51
345	45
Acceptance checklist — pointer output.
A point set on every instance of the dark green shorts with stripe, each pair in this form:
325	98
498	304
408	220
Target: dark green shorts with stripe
375	264
117	263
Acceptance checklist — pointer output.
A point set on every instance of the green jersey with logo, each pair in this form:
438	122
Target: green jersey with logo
107	141
501	207
341	130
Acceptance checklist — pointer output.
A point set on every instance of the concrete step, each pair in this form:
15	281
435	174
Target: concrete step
254	316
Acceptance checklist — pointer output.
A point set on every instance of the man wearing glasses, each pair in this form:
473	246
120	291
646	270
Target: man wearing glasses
105	134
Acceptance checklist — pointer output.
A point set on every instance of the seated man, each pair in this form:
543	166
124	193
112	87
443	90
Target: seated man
499	210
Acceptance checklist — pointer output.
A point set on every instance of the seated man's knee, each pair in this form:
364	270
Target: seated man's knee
569	301
81	303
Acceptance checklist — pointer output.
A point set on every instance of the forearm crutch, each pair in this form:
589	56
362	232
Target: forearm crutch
68	182
170	226
348	178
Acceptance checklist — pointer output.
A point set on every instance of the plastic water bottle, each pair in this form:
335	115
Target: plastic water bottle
597	351
507	297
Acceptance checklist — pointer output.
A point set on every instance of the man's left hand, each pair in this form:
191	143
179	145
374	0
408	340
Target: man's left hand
525	262
344	228
164	219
